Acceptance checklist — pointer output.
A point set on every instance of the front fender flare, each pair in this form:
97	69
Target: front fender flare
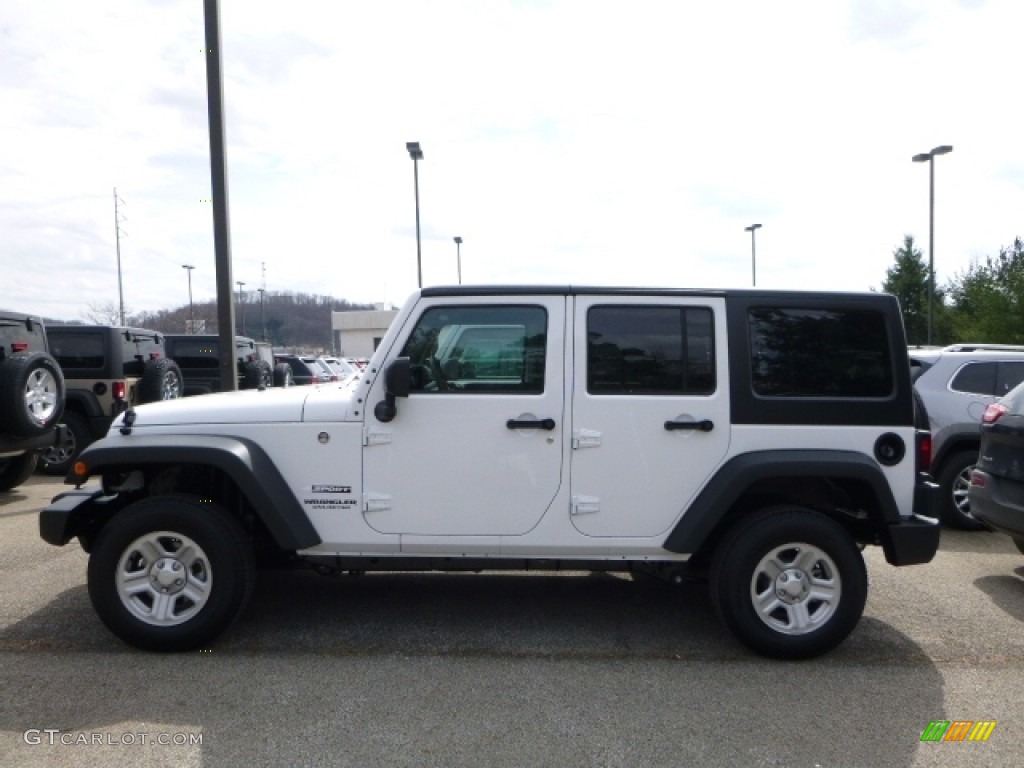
243	460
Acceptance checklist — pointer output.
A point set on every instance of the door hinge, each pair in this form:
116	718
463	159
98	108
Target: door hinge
585	505
376	502
374	436
585	438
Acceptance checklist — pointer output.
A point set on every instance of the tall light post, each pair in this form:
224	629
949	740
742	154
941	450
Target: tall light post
929	157
416	154
191	311
753	252
241	311
458	256
263	322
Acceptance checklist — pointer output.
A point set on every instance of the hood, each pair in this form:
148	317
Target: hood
276	405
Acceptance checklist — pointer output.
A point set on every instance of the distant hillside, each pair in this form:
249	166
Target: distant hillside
290	320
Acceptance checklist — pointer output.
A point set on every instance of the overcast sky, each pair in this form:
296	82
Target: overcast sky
587	142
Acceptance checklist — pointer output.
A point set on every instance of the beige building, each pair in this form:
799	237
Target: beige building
357	334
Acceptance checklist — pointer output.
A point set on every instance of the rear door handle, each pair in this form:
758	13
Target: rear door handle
547	424
704	425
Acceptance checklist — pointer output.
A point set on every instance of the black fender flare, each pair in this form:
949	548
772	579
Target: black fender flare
243	460
734	477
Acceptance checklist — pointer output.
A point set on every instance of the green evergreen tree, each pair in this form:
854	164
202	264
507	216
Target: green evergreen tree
988	298
907	280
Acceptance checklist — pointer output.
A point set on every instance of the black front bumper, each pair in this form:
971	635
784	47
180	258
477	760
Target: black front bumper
73	513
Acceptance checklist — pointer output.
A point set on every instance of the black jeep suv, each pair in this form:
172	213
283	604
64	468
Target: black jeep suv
31	397
199	358
107	369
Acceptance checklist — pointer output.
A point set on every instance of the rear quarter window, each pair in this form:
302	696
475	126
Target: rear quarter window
819	353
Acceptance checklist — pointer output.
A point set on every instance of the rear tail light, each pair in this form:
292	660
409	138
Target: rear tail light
19	346
118	390
924	451
993	413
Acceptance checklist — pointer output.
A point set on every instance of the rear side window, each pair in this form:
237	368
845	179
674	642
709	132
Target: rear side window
975	378
650	350
77	350
798	352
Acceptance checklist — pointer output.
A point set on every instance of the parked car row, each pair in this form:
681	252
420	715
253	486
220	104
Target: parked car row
61	386
957	383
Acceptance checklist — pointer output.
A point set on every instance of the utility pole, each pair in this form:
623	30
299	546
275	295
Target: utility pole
117	240
219	188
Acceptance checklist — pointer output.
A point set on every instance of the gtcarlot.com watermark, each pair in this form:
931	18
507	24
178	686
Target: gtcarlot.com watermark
56	737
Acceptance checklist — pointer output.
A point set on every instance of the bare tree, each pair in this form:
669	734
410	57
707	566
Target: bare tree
105	313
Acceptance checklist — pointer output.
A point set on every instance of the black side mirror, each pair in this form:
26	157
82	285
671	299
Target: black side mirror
396	384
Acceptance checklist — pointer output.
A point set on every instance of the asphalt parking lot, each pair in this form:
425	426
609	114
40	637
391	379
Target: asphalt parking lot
507	670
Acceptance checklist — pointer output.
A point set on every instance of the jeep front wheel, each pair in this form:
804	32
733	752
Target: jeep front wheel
790	583
170	573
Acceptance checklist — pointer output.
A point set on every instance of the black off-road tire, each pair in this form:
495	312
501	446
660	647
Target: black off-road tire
954	479
790	583
15	470
257	374
283	375
143	545
32	394
58	460
161	380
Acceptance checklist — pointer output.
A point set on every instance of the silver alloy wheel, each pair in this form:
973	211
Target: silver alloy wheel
41	394
795	589
164	578
171	389
961	485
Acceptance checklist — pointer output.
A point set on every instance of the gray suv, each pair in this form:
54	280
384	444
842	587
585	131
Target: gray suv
956	384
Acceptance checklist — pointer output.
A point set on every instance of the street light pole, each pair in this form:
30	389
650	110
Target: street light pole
191	311
458	256
416	154
945	149
753	253
241	310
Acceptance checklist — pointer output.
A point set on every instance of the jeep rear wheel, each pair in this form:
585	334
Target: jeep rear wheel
169	573
789	583
31	393
15	470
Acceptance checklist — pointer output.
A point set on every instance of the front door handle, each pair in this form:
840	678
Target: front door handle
547	424
704	425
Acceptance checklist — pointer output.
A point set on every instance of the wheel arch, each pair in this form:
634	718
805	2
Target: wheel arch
954	444
239	462
847	486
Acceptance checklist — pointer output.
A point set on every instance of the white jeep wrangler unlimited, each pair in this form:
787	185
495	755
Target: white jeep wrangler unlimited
763	438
